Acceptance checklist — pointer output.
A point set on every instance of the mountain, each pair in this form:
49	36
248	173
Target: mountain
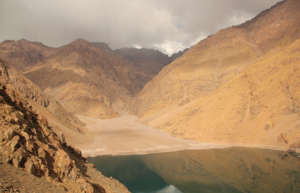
29	145
87	78
149	61
239	86
24	54
178	54
102	46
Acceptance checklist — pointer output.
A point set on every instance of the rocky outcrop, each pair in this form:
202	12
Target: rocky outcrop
27	141
31	92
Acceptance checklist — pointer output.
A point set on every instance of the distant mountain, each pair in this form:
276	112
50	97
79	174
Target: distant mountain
178	54
239	86
102	46
24	54
87	78
149	60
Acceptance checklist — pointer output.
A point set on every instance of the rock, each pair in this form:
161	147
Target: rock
19	158
14	143
62	163
41	153
29	167
25	135
6	134
84	186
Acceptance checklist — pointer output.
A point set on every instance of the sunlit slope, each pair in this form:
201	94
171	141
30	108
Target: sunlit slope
259	106
239	86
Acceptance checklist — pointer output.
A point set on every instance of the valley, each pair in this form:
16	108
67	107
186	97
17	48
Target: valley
228	103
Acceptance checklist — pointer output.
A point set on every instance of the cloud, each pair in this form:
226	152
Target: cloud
169	25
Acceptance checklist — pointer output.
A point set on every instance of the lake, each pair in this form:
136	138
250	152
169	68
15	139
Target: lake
232	170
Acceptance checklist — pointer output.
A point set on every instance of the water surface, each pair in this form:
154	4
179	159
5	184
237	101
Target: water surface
232	170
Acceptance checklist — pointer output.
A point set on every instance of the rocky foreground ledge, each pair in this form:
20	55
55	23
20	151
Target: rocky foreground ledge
27	142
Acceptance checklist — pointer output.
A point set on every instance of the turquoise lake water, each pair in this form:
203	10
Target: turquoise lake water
233	170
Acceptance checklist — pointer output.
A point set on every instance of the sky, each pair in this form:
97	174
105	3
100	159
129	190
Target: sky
167	25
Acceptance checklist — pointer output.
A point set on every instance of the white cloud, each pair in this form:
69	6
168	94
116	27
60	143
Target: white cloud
137	46
170	47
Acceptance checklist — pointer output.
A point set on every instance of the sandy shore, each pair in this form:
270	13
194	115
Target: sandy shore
127	136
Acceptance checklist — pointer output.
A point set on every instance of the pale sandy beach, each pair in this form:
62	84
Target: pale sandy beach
127	136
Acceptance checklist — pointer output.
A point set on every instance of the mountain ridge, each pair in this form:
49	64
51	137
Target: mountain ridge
204	95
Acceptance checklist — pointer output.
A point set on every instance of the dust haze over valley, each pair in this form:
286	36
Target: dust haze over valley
102	78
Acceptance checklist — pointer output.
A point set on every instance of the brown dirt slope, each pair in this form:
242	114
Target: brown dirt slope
29	143
239	86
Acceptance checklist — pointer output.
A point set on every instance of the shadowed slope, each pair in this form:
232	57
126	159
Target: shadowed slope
86	79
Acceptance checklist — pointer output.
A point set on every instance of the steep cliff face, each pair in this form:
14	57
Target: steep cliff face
27	141
237	86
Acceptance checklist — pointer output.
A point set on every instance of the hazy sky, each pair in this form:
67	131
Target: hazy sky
168	25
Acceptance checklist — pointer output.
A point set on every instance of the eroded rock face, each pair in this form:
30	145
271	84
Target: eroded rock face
27	141
29	91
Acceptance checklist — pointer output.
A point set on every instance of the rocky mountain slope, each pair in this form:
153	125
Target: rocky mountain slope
43	104
87	78
238	86
29	143
24	54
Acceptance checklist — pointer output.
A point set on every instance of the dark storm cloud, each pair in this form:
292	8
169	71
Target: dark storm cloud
166	24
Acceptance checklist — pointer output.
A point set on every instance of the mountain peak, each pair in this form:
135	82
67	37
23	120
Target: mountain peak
24	41
80	42
102	45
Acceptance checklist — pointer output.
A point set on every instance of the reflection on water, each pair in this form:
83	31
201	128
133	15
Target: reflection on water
234	170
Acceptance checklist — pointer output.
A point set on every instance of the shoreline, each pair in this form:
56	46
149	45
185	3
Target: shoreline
125	135
205	146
